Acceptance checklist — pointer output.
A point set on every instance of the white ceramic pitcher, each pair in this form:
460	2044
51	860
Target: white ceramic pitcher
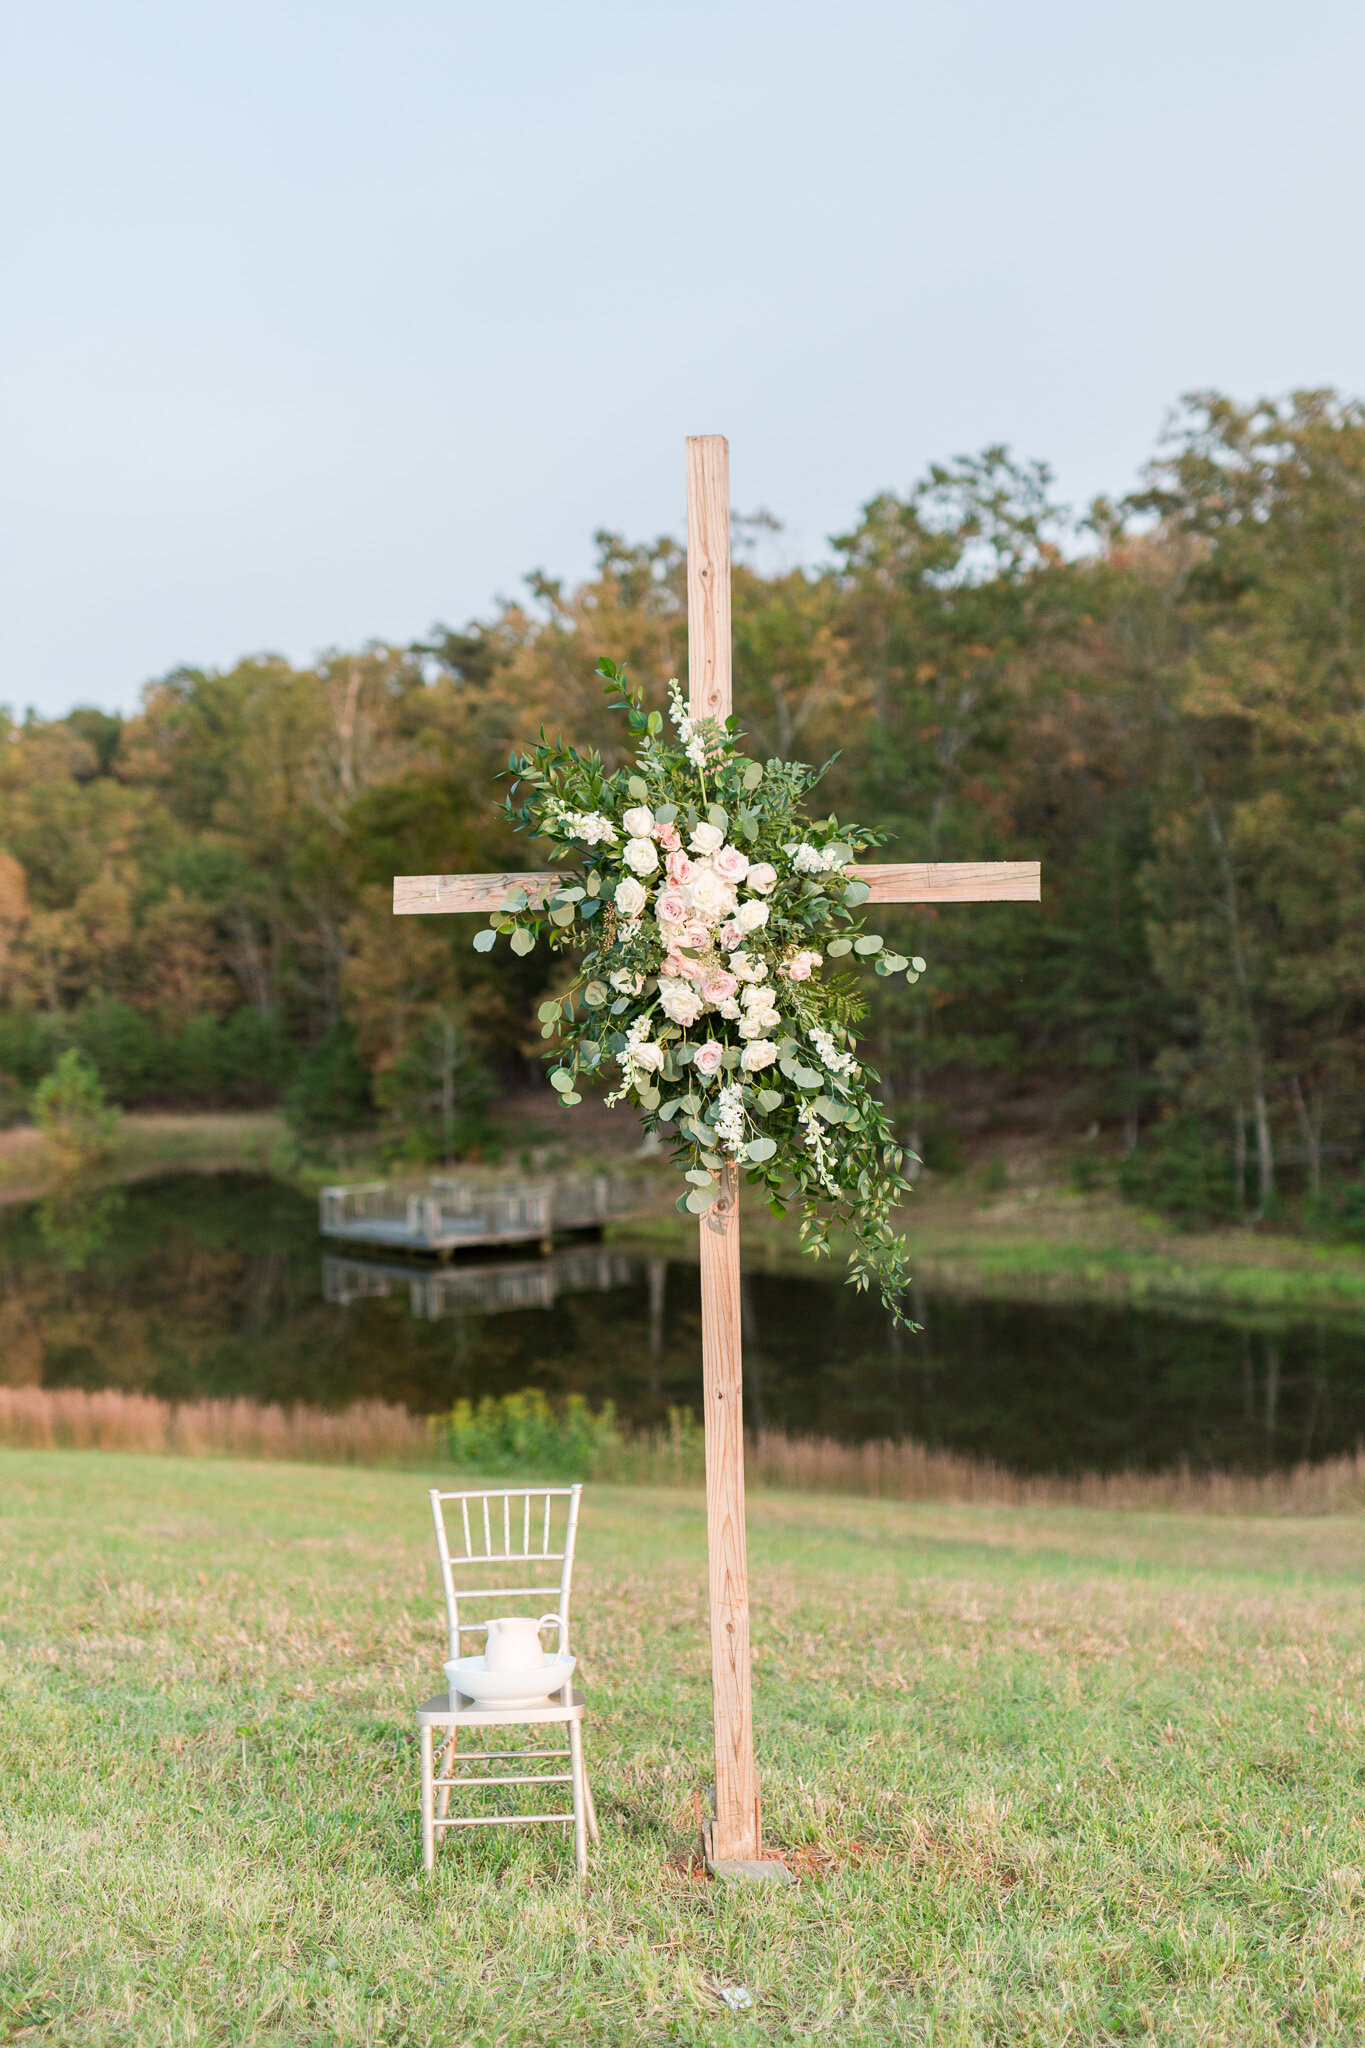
514	1642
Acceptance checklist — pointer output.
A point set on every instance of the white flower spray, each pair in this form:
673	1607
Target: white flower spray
730	1126
814	1141
837	1062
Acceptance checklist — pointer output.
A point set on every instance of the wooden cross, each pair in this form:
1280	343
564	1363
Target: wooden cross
736	1830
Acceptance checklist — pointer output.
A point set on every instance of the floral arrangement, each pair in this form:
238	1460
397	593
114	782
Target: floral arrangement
707	909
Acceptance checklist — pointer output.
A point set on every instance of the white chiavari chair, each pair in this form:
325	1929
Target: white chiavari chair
502	1535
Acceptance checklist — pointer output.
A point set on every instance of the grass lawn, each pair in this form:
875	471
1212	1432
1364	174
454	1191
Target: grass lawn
1066	1776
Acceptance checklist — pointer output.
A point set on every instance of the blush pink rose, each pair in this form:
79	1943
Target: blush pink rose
672	965
680	868
709	1056
730	937
667	836
698	934
799	966
730	864
693	969
718	988
671	907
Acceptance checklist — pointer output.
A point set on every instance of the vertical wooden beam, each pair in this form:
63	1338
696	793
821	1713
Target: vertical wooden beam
735	1833
708	575
736	1829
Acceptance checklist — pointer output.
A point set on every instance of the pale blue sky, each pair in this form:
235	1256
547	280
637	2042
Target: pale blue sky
323	321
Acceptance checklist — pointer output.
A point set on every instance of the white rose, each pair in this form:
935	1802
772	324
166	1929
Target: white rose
759	1053
650	1057
747	969
623	981
631	897
642	855
706	838
639	823
709	898
751	916
680	1001
762	876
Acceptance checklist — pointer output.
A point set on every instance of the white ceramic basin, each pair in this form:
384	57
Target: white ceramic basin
472	1677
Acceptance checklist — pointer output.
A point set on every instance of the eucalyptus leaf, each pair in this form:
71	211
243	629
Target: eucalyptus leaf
896	963
685	1055
870	942
719	817
698	1178
664	814
523	941
701	1199
760	1148
749	827
561	1080
856	893
638	788
594	883
515	899
594	995
590	906
649	1098
838	947
621	1004
917	963
571	1098
562	916
712	1160
485	940
548	1012
753	775
669	1111
769	1099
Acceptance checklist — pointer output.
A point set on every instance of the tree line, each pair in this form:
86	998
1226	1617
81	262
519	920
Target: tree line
1164	702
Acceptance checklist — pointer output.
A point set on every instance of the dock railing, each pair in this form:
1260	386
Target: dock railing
442	1214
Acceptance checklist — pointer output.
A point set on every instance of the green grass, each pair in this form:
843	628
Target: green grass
1077	1777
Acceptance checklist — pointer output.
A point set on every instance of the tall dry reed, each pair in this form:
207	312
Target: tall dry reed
374	1433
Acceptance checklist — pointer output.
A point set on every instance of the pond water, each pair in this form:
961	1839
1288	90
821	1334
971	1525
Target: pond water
198	1284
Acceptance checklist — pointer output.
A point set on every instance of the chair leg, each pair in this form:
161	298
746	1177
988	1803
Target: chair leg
428	1804
576	1772
446	1768
592	1809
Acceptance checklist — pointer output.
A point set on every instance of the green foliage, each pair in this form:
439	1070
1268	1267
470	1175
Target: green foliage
1180	1171
331	1090
523	1434
1169	719
70	1109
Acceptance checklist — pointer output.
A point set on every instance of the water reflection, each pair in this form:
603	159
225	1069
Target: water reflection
216	1284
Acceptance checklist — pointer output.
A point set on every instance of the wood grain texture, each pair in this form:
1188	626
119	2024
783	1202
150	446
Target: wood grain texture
708	575
952	881
736	1830
433	895
944	881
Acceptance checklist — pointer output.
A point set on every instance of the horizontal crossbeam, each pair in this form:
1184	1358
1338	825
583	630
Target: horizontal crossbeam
943	881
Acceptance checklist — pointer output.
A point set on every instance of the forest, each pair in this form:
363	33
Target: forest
1164	701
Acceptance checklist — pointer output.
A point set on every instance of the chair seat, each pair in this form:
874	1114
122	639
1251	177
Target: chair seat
439	1713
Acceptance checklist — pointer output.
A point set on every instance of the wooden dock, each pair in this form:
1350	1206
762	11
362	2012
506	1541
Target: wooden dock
445	1216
